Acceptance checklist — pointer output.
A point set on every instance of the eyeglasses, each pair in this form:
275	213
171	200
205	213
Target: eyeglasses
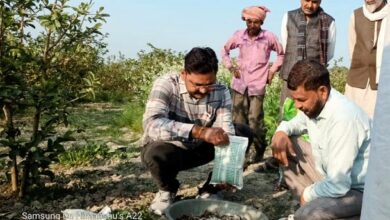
202	86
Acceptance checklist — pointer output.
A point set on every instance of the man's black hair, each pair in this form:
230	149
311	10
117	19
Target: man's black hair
201	60
309	73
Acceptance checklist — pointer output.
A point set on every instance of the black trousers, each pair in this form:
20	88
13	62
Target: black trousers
165	160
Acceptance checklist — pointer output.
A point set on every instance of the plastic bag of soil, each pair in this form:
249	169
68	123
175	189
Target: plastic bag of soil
229	162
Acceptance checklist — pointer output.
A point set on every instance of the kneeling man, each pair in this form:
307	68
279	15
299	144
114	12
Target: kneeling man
327	173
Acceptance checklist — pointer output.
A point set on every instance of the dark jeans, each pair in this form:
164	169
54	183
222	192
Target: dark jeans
345	207
165	160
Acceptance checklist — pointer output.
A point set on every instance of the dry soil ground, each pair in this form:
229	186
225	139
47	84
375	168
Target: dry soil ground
125	186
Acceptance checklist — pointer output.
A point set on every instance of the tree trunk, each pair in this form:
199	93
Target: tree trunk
35	141
11	136
25	174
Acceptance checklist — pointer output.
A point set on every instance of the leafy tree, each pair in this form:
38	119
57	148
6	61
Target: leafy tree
49	51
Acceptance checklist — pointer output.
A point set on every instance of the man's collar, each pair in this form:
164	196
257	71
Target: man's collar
326	111
246	35
182	86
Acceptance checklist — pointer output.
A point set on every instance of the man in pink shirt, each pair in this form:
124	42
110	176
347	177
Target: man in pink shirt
252	72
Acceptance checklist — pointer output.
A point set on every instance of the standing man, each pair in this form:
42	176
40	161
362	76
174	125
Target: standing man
376	202
307	33
186	115
252	73
327	174
366	42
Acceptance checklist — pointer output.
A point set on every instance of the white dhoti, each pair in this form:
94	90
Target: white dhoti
365	98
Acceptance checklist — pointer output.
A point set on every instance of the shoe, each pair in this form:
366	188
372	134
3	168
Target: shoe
270	165
162	200
209	191
214	196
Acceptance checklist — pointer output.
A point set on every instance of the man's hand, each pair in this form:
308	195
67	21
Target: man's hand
235	72
215	136
281	146
271	75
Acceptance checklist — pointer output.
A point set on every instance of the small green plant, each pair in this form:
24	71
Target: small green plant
131	117
86	155
271	107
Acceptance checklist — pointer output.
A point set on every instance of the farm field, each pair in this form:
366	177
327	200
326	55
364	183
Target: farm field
71	117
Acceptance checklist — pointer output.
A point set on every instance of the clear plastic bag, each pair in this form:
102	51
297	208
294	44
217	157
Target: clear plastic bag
229	162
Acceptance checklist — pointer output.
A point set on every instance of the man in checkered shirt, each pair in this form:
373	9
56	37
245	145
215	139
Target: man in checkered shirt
186	115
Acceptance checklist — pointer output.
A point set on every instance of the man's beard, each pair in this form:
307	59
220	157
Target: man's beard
372	7
254	31
316	110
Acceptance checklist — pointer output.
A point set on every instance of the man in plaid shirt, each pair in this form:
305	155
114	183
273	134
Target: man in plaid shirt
186	115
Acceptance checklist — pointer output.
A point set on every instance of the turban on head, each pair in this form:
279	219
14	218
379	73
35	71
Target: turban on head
254	12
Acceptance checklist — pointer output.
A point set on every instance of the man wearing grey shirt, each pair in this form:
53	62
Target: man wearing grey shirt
328	172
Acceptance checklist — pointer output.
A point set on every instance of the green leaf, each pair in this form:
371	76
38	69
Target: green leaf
57	23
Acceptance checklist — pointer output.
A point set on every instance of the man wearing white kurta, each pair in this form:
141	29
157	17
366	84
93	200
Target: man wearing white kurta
327	174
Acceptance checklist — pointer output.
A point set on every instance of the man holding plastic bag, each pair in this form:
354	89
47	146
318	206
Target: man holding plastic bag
186	115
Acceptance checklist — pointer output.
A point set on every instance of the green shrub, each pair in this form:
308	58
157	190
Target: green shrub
131	79
86	155
338	75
